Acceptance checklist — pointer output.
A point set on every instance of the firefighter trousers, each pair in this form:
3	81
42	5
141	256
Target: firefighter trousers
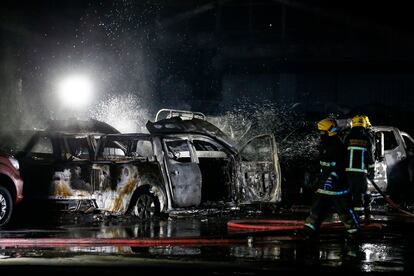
358	186
322	207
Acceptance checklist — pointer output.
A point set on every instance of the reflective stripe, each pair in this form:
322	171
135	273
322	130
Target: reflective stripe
362	163
351	159
328	184
352	230
355	170
354	217
325	192
357	148
310	226
371	166
327	164
358	208
334	174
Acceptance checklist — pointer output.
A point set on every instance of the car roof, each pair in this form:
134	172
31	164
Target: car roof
127	135
80	126
379	128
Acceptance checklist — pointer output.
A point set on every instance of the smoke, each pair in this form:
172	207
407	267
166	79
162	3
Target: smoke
126	113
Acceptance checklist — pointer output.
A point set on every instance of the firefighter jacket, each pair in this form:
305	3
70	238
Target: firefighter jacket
360	157
332	154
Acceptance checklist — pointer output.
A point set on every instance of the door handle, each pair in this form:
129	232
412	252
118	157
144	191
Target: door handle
175	172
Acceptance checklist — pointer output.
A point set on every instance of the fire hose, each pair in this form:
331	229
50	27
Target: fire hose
275	226
389	200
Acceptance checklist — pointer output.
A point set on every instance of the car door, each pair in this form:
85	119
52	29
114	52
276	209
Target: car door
393	155
183	172
37	166
380	177
258	172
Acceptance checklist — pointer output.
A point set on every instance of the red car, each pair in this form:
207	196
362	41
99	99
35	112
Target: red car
11	187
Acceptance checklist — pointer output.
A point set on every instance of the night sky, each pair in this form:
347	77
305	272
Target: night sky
211	56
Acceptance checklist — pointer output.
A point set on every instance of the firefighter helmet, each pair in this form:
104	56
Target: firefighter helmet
327	126
367	120
359	121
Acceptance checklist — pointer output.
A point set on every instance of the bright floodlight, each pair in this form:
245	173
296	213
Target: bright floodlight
75	91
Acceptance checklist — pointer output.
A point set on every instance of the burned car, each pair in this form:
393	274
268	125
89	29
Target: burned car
181	163
184	163
29	160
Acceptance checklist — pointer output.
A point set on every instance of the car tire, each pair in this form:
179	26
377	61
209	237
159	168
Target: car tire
146	205
6	206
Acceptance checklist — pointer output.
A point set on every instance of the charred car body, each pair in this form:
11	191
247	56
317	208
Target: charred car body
26	156
182	162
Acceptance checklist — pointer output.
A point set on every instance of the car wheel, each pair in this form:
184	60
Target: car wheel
6	206
146	206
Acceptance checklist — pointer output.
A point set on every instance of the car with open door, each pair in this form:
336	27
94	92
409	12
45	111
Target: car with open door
183	162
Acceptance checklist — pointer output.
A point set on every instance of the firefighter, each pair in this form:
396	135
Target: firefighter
333	190
360	163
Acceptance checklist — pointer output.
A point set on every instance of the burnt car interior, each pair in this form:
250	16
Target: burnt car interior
213	162
390	142
127	147
77	148
226	172
113	150
215	168
178	150
257	166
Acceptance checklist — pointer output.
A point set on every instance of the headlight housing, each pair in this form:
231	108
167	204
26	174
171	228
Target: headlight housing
14	163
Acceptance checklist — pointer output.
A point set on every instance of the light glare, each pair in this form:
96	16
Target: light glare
75	91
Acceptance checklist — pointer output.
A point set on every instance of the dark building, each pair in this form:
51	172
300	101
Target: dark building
208	55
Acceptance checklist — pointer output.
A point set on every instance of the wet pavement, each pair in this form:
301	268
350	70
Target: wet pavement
191	250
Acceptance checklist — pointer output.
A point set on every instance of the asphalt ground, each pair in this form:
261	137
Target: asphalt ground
198	242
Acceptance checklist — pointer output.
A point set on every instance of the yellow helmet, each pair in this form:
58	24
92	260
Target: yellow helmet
359	121
327	126
367	120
